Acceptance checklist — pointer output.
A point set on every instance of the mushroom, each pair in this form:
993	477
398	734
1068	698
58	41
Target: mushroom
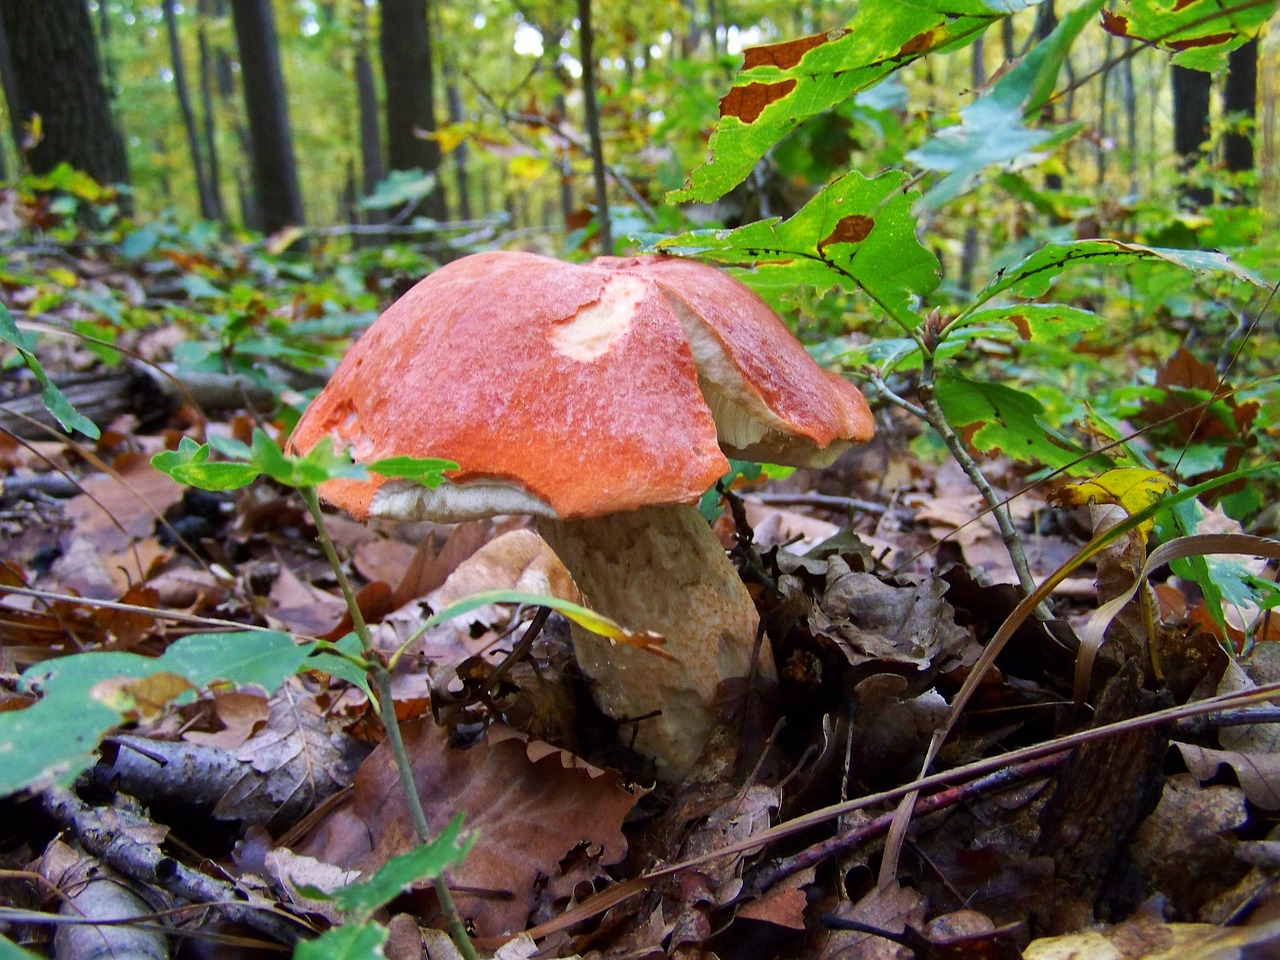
601	398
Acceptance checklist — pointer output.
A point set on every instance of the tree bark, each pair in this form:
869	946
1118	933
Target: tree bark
372	169
277	196
453	98
57	76
210	113
1006	38
1129	94
208	208
1191	129
586	39
9	86
1240	102
405	45
1046	22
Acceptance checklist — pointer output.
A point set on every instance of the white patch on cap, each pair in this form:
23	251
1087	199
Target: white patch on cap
597	326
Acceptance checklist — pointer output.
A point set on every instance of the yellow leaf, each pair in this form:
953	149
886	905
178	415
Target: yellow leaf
143	698
282	240
61	276
451	136
1132	488
527	168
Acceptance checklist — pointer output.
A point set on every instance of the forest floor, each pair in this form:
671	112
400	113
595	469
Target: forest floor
880	582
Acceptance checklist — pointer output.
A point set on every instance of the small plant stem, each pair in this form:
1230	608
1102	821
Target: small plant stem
381	676
361	628
933	415
387	711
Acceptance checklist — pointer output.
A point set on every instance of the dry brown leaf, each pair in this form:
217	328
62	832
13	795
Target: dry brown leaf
290	764
291	872
872	621
741	817
384	560
891	908
1185	846
116	513
1152	940
799	531
543	826
1250	738
784	904
241	714
1257	773
432	563
518	560
301	608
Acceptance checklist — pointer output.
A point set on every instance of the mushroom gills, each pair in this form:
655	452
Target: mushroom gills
746	427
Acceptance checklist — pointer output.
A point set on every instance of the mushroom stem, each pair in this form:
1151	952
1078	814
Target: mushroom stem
661	569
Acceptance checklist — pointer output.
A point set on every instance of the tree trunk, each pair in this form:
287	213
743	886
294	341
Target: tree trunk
1240	102
56	75
210	113
372	169
104	41
1104	124
586	39
1046	21
208	208
1191	129
9	85
1129	94
453	97
566	167
978	66
405	45
277	197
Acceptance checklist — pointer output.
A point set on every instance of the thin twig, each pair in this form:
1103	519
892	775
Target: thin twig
770	874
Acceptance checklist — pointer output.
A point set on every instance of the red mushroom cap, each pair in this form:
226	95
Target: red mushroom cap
573	391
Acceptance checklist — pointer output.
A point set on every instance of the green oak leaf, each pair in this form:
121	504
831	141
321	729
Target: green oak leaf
783	84
856	233
1200	32
1032	276
998	419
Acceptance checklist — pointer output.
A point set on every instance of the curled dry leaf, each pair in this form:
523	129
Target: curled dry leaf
288	765
545	821
1257	773
875	622
1186	847
890	907
1262	667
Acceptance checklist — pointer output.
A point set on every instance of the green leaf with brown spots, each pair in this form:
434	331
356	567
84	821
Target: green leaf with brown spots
856	233
996	419
1034	275
783	84
1200	32
1033	321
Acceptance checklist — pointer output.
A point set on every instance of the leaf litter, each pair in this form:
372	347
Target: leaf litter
875	627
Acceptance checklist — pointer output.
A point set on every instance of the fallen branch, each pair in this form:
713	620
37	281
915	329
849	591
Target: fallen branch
107	833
